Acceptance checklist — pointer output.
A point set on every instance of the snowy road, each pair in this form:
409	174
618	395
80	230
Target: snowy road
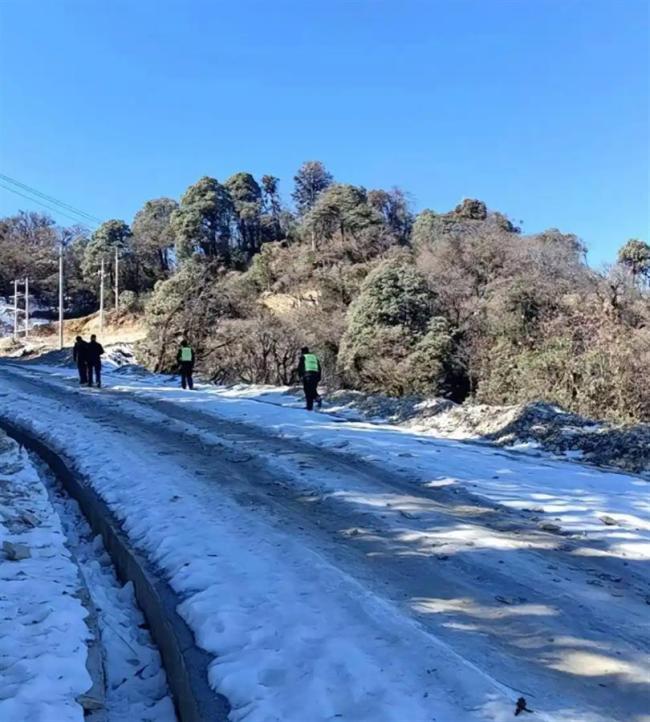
331	585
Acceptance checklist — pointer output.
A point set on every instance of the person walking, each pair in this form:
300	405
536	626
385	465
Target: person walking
309	371
94	360
80	357
185	358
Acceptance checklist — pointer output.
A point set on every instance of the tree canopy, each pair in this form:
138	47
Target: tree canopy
458	303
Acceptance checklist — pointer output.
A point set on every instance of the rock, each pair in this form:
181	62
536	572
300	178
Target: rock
608	520
15	552
30	519
89	702
552	528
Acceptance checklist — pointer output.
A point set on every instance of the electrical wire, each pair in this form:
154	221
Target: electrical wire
52	209
49	199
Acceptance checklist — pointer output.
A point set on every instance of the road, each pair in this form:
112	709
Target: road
547	616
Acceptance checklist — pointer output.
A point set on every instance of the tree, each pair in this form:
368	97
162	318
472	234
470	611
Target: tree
424	230
341	210
153	237
430	367
635	256
394	209
273	226
28	247
202	224
246	197
310	181
271	203
391	315
80	292
471	209
111	236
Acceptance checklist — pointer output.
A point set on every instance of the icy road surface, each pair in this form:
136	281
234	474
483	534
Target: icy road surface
356	572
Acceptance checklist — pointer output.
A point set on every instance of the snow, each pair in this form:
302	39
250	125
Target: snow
42	629
136	684
296	637
7	316
575	497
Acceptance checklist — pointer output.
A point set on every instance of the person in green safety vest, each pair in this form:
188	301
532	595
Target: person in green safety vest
185	358
309	371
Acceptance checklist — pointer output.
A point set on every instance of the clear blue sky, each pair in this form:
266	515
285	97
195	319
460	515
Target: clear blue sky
538	107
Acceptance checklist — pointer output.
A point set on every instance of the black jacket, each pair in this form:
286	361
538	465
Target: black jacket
80	352
94	352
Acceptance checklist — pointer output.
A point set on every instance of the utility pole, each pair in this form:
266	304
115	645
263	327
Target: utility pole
61	295
26	307
101	297
15	309
117	282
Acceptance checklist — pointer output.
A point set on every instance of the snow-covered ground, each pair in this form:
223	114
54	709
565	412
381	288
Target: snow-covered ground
573	497
136	684
7	317
365	572
42	629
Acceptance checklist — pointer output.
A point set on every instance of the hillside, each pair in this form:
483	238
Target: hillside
458	304
124	327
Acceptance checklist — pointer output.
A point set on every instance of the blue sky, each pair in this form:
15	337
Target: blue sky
538	107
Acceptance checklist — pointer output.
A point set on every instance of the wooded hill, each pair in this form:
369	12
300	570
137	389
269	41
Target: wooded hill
459	304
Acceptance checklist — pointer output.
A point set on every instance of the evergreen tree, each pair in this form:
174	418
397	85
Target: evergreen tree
203	222
246	197
635	255
153	237
111	237
310	181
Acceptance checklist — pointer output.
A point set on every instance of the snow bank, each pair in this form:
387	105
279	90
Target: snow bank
527	427
42	629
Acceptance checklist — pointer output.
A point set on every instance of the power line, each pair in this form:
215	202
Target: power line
49	199
43	204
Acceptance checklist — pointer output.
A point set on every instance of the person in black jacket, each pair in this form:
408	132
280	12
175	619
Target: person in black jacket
185	358
80	356
310	372
94	356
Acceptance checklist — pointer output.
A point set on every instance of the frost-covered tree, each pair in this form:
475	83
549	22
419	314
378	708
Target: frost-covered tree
393	341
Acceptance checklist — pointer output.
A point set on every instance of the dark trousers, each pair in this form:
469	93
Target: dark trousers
96	368
82	368
310	385
187	370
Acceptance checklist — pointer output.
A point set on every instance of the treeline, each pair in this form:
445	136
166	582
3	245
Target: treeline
459	304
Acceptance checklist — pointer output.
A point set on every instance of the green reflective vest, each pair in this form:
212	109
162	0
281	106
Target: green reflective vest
311	362
186	353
